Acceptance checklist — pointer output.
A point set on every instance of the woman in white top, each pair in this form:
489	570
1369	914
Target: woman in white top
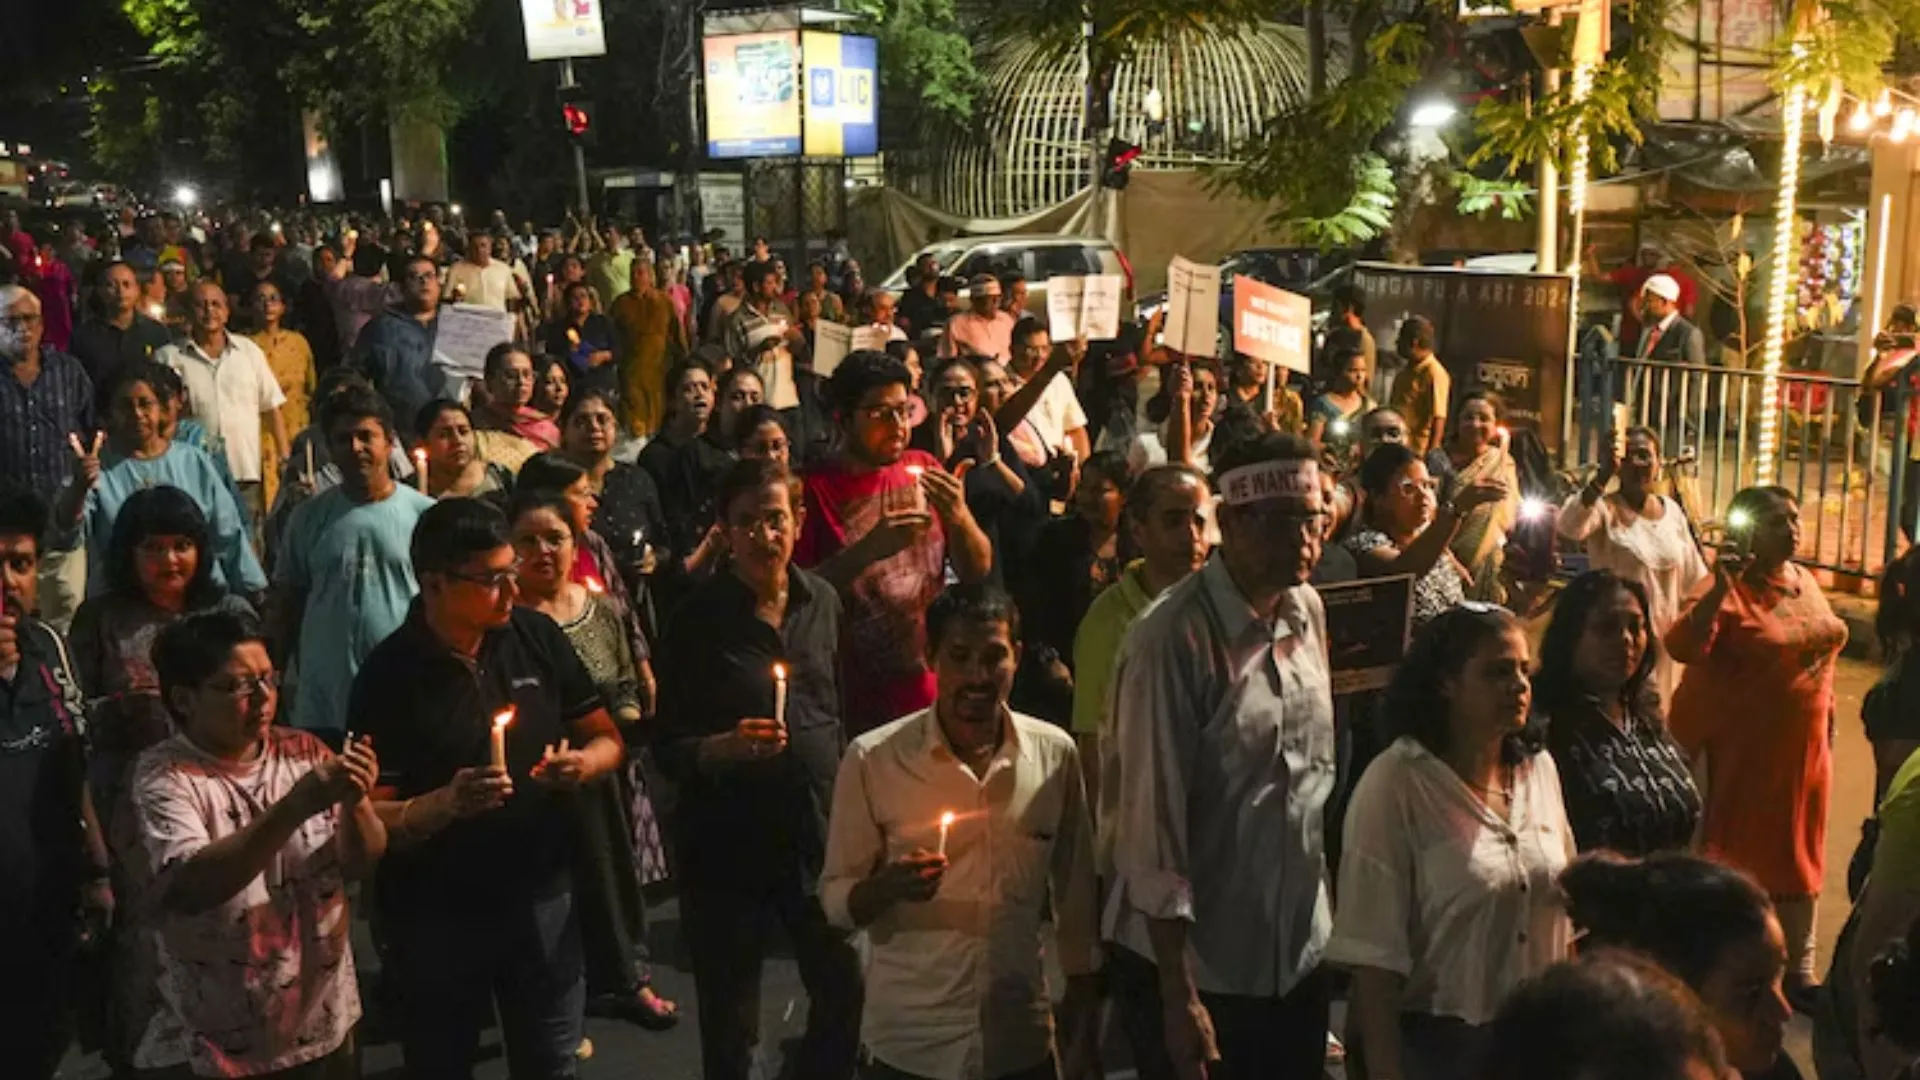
1640	535
1453	841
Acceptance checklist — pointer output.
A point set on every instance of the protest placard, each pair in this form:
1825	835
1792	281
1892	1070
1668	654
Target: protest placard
1368	626
1193	308
1084	306
1272	324
831	344
466	333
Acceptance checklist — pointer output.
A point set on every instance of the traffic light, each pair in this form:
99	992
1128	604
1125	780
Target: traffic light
1117	164
576	117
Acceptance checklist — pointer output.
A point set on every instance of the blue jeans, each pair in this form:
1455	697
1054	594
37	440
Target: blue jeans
452	968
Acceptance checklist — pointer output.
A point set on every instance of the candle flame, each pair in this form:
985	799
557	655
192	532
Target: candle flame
946	819
593	585
780	672
420	454
915	471
503	718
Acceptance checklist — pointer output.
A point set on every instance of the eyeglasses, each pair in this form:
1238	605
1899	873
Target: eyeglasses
1409	488
248	685
31	318
899	414
498	579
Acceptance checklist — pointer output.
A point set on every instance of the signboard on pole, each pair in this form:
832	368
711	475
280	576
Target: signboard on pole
753	94
1193	308
843	94
1368	626
563	29
1498	331
1272	324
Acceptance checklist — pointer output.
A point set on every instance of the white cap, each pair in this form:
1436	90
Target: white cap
1664	287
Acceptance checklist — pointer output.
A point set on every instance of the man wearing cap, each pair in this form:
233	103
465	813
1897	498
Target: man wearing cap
1631	278
1666	335
1214	784
984	329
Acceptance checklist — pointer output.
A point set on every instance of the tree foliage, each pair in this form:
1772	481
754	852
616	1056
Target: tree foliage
925	58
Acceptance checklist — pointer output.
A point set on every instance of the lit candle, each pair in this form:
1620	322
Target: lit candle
1273	404
420	468
919	493
309	462
780	695
946	823
500	721
593	585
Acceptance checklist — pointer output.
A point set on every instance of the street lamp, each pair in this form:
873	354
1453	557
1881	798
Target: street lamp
1433	113
185	196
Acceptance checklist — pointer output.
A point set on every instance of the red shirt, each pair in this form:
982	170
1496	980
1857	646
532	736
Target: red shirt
884	673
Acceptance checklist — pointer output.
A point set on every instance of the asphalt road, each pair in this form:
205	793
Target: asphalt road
627	1052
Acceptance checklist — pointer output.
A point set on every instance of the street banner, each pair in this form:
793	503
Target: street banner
1272	324
1494	330
1193	308
563	29
466	333
831	344
1368	626
841	114
753	94
1085	305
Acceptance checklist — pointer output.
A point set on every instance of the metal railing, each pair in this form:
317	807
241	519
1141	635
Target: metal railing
1839	447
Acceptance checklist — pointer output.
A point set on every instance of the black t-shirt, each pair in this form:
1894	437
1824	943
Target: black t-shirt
922	313
430	714
41	763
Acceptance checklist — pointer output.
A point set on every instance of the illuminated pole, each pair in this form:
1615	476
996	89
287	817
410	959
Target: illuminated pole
1577	212
1793	112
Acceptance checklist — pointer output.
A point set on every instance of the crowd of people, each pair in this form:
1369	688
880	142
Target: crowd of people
973	657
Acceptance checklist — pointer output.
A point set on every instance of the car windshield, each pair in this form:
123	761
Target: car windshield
944	256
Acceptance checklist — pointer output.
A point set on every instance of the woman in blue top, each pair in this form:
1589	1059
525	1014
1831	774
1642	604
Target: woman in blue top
139	454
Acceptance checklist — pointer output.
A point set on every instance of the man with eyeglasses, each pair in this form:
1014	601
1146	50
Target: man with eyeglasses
870	532
344	578
396	348
1216	775
755	781
46	402
251	832
232	391
476	896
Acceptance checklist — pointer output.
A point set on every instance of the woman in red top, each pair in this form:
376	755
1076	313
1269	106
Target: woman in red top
1756	702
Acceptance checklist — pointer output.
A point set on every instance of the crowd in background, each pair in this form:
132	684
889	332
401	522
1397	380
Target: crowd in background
975	649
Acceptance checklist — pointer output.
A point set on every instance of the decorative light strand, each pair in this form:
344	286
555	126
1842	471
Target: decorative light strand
1780	288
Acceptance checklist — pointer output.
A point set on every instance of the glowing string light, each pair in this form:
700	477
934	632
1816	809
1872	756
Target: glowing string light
1780	289
1577	210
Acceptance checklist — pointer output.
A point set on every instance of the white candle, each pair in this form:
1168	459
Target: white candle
780	695
420	469
919	493
500	721
309	462
946	823
1273	403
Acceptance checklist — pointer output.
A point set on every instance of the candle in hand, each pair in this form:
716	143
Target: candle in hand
500	721
420	469
780	695
946	823
919	494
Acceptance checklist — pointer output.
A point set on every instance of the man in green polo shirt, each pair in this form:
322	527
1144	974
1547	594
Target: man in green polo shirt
1167	509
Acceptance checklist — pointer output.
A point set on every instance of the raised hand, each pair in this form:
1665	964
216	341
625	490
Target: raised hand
86	459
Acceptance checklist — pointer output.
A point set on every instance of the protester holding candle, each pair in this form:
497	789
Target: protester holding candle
344	581
957	988
613	914
480	855
448	462
755	784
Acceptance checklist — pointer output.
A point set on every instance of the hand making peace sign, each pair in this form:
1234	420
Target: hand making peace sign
86	459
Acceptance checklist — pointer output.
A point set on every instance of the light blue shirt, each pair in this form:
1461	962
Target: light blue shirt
350	561
193	471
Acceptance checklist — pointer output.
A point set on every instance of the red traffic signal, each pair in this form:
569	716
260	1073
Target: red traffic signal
574	115
1118	163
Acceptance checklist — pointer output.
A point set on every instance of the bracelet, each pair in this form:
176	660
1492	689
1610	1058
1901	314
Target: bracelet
990	462
400	823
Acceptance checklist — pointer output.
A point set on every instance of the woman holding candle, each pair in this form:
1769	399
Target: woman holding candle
452	462
584	337
629	515
1476	453
613	915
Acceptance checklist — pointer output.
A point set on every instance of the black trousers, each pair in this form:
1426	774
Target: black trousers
38	958
451	970
726	929
1260	1038
606	889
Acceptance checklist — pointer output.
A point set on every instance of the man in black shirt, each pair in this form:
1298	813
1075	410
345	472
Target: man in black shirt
475	890
922	308
53	860
756	778
115	336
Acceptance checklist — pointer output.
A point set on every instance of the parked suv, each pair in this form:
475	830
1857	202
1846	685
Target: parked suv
1035	257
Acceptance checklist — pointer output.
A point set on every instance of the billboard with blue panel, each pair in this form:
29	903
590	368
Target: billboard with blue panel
843	95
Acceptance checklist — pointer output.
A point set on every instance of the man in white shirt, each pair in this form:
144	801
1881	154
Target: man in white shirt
479	278
1213	787
956	832
1054	421
231	391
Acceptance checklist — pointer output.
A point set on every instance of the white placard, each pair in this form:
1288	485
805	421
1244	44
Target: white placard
1084	306
831	344
775	368
466	333
872	338
562	29
1193	308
